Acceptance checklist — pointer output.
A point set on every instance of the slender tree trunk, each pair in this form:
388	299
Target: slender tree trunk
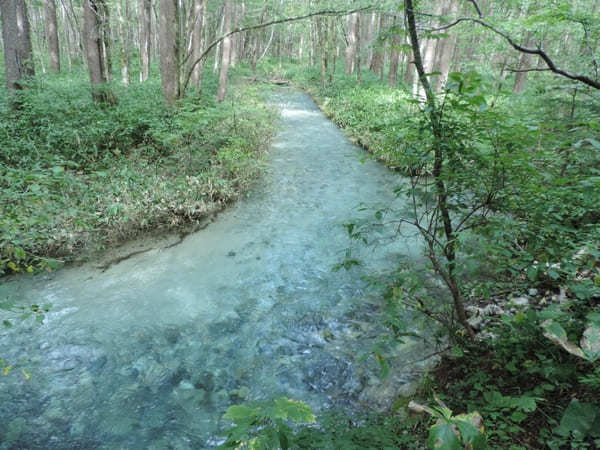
52	34
226	53
524	63
124	19
321	31
331	52
378	49
38	35
371	35
394	57
445	50
18	53
67	38
447	271
357	55
106	35
234	39
169	50
219	45
352	43
409	74
145	7
197	41
95	57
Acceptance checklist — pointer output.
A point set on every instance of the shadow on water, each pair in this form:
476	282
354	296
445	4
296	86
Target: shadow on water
150	353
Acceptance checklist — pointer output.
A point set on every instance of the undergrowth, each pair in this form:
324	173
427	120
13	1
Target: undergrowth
76	175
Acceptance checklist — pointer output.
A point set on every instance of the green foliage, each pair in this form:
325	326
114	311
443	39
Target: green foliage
266	425
515	383
78	175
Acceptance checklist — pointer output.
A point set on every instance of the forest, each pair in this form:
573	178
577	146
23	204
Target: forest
123	121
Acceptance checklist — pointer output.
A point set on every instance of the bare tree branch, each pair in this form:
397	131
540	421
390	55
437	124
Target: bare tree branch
476	6
532	51
327	12
533	69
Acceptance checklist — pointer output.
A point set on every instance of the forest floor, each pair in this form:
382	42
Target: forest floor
78	178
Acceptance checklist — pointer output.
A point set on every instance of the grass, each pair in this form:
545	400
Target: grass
77	177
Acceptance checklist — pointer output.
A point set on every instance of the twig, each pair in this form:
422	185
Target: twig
533	69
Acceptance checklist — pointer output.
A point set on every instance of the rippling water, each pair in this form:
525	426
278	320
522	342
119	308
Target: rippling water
150	353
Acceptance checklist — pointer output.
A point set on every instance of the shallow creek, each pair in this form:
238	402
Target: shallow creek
150	353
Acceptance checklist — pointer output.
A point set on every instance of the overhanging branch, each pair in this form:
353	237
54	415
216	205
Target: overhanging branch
532	51
327	12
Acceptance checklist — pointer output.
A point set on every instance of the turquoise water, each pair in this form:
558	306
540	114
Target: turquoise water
150	353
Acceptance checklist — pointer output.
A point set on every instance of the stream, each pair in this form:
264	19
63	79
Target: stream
150	353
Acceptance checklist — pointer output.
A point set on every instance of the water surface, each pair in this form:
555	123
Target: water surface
150	353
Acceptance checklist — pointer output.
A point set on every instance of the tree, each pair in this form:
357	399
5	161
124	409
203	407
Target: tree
169	50
226	51
145	7
352	40
394	57
197	41
18	54
93	26
124	34
447	269
52	34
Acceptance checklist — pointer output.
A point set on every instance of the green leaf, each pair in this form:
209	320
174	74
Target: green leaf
557	334
579	418
470	433
384	367
240	413
518	416
590	342
442	437
294	410
57	170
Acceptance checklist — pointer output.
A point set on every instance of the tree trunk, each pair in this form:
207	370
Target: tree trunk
447	271
445	50
219	45
52	35
378	49
197	41
93	48
124	18
357	55
233	55
226	52
169	50
394	57
105	33
524	63
145	39
352	42
18	53
321	33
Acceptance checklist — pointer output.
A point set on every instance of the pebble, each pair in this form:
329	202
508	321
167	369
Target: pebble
520	301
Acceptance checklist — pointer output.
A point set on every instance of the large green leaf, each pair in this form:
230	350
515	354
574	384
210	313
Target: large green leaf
580	418
557	334
443	437
590	342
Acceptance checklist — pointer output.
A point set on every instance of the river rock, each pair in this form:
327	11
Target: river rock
520	301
